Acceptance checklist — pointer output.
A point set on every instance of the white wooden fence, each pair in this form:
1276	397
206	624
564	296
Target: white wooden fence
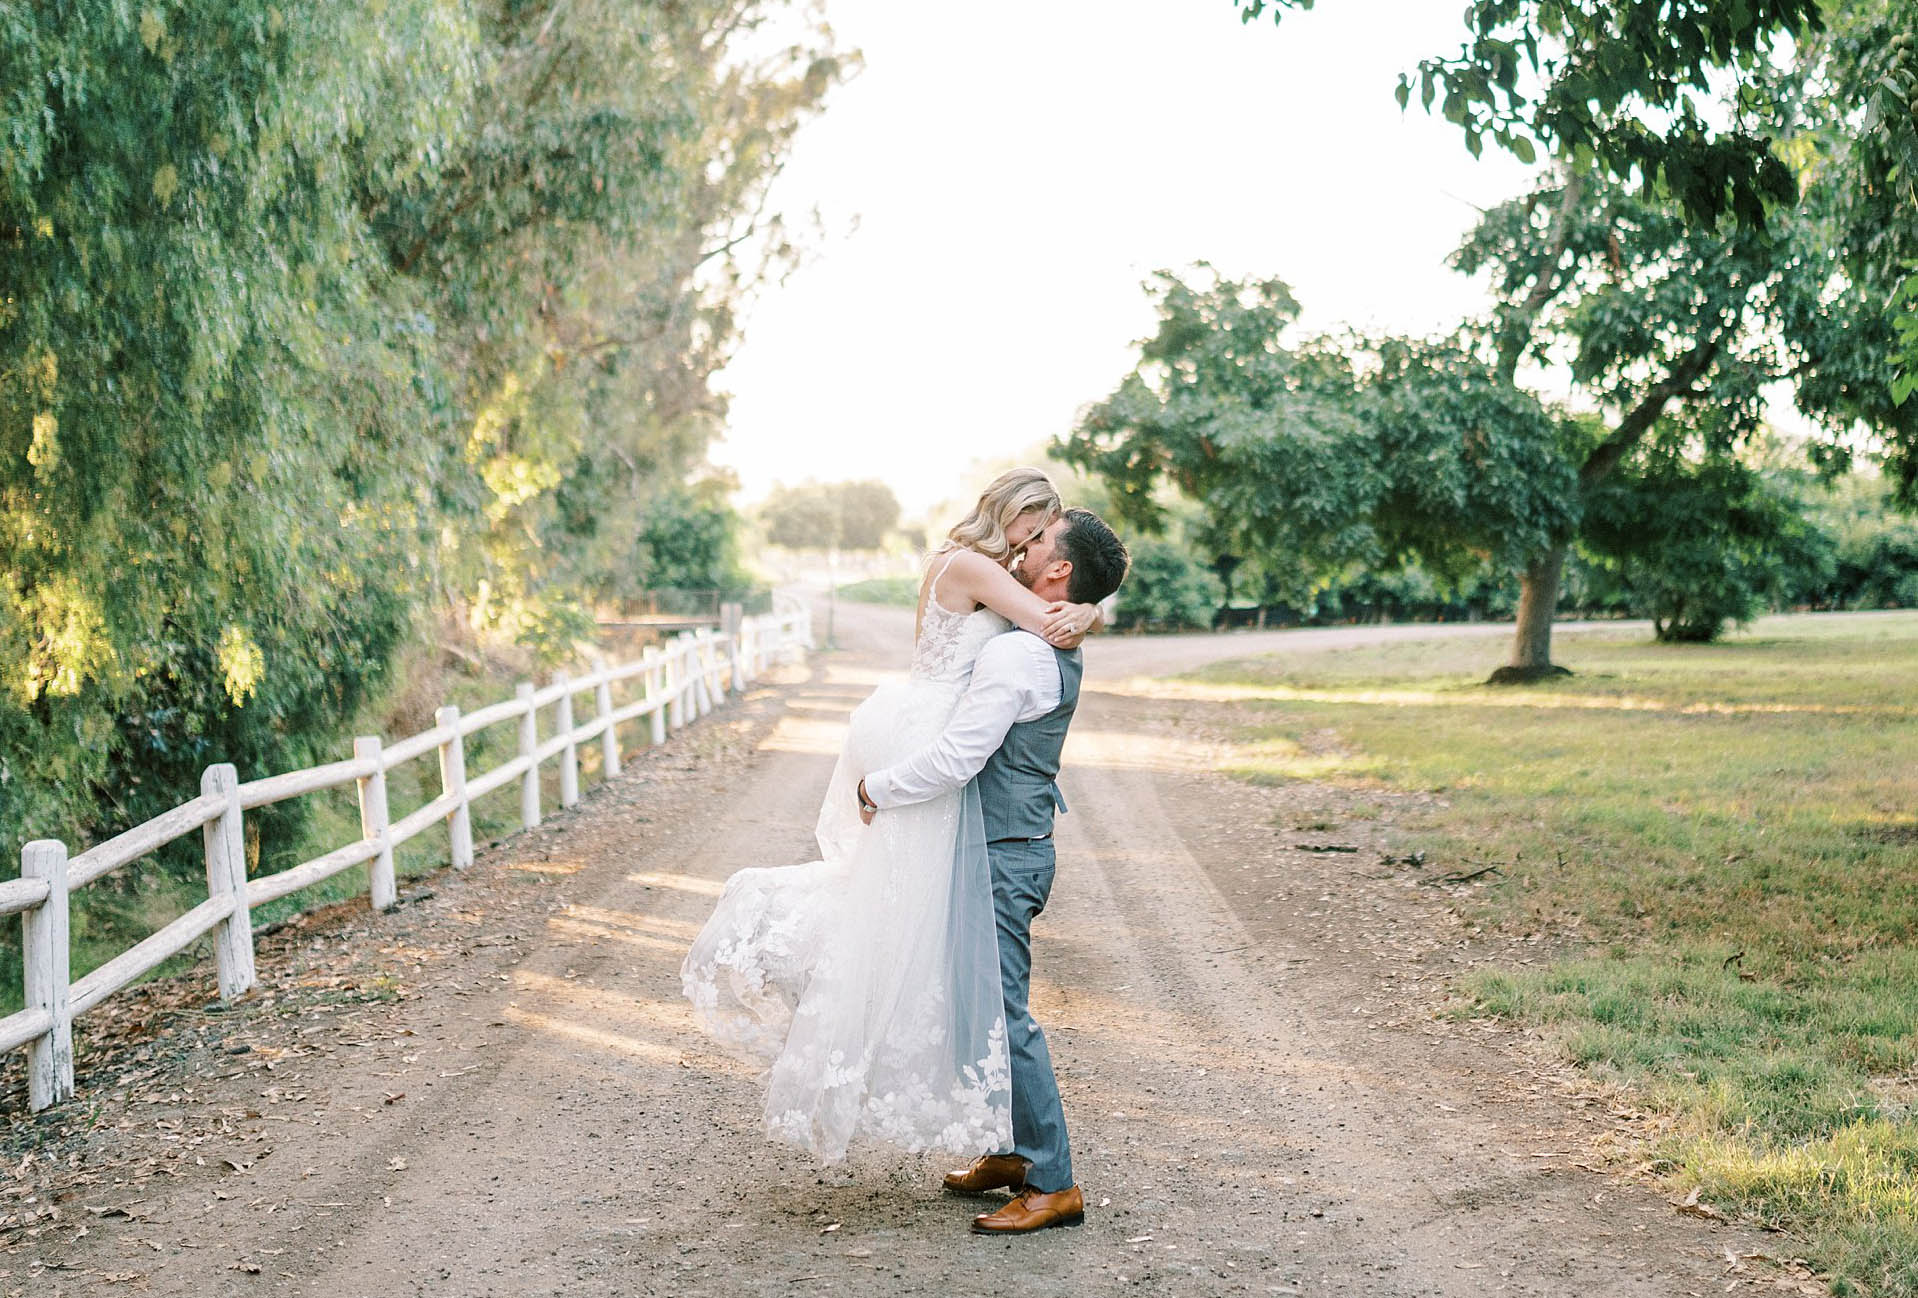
682	682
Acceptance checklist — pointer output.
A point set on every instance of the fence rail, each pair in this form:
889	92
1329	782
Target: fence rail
681	682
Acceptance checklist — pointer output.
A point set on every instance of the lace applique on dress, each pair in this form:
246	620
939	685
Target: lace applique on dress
949	642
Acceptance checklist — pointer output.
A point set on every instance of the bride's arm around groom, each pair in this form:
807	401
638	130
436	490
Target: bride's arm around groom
1016	679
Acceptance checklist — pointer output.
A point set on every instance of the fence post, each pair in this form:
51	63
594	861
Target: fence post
675	687
528	748
608	740
732	619
702	673
226	877
50	1063
678	671
655	694
459	825
569	754
373	825
727	649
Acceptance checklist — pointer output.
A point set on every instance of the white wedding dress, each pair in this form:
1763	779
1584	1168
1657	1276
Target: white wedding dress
868	981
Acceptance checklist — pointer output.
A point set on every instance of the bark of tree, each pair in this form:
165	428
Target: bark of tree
1532	641
1516	328
1538	584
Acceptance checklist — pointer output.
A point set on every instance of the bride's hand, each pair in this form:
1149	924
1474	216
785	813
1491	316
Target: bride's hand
1066	624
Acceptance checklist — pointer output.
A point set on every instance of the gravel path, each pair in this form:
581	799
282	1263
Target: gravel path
496	1090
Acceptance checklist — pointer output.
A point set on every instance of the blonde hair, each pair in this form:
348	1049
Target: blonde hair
1008	497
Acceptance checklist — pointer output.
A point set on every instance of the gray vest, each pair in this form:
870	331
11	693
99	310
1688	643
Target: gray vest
1016	789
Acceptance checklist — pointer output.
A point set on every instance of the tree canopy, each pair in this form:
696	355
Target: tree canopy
1619	85
1723	109
322	322
1326	452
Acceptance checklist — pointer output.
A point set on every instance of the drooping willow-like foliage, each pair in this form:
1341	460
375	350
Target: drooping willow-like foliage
318	321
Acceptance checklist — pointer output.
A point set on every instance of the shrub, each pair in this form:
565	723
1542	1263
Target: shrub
1696	546
1169	588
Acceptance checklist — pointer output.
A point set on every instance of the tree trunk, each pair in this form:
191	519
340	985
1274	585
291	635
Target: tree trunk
1532	643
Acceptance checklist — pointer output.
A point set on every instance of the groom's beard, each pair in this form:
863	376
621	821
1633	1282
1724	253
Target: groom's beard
1019	573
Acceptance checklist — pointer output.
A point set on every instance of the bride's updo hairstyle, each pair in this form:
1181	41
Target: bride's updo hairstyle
1013	493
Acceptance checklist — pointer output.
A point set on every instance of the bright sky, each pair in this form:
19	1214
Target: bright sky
1003	175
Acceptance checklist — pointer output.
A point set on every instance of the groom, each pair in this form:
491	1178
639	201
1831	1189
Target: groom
1007	733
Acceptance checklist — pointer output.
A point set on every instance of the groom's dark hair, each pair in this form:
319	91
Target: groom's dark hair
1098	557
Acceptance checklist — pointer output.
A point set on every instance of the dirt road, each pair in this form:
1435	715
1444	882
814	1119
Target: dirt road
496	1090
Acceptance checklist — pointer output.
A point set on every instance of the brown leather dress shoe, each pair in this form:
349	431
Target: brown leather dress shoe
992	1172
1032	1210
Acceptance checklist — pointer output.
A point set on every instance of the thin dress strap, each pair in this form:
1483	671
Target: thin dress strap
932	591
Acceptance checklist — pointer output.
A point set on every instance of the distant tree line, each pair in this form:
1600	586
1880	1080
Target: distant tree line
830	515
322	323
1694	561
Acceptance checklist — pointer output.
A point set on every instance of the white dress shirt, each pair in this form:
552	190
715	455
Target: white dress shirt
1016	679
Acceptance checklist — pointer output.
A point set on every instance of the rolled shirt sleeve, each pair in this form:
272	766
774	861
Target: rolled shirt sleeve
1016	679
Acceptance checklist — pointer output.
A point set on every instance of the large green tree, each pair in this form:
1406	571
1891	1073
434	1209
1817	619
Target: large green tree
1672	332
318	319
218	469
586	245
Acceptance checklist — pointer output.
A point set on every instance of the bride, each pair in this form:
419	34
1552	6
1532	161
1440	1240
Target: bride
868	981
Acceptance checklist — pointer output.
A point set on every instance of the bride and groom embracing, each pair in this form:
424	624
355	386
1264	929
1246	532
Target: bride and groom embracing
884	986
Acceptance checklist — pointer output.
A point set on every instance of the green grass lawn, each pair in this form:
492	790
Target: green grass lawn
1730	832
902	592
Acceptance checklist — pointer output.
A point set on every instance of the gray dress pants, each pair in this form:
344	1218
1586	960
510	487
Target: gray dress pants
1021	882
